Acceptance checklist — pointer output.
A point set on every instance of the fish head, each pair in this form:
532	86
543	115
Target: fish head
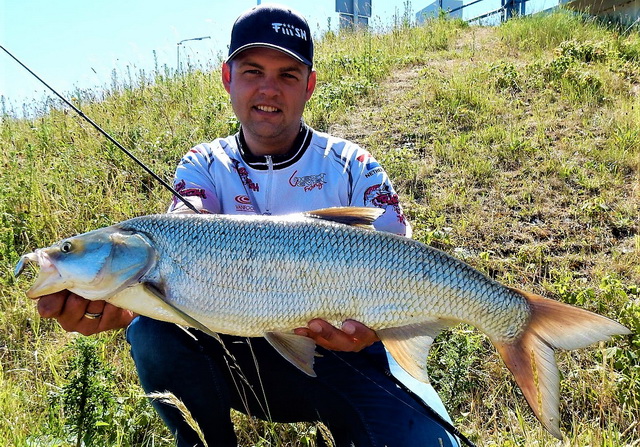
94	265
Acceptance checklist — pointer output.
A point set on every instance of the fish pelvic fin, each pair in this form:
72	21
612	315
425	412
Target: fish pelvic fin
409	345
531	358
300	351
349	215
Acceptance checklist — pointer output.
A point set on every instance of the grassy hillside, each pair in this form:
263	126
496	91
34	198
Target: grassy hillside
514	148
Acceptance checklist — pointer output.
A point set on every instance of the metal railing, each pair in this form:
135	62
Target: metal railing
507	9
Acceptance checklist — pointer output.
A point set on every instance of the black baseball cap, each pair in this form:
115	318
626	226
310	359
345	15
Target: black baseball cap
273	26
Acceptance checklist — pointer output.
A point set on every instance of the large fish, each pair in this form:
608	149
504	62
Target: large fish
264	276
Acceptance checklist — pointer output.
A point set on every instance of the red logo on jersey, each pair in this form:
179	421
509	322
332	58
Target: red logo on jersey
243	204
187	192
244	176
381	196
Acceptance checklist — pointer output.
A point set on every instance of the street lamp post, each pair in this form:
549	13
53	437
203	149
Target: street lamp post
181	42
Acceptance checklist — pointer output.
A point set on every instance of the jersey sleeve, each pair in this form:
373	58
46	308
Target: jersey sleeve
372	187
194	181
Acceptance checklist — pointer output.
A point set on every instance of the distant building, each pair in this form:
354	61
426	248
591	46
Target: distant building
493	12
354	13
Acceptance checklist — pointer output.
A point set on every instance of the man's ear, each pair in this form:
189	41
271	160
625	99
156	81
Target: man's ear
311	83
226	76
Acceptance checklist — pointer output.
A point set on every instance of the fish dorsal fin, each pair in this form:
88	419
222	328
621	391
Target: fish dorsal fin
409	345
357	216
300	351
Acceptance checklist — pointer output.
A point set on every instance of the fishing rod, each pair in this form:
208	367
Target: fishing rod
106	134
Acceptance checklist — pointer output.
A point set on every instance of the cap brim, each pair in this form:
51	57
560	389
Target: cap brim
272	46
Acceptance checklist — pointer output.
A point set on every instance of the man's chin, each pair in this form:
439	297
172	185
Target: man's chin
274	139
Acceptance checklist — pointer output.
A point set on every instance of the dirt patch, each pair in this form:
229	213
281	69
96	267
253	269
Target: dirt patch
397	91
365	119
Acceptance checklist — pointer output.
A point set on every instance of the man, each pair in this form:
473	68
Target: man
276	164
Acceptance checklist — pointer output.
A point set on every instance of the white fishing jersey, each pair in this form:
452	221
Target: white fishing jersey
320	171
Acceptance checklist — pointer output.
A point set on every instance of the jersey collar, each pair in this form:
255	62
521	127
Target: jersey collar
261	162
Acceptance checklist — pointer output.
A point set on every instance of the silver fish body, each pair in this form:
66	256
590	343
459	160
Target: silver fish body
265	276
248	276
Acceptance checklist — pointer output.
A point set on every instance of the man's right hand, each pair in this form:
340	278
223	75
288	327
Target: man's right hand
77	314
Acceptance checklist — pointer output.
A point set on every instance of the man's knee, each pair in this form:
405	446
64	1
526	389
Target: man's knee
156	344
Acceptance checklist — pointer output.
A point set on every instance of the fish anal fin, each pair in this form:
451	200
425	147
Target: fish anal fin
409	345
348	215
298	350
531	357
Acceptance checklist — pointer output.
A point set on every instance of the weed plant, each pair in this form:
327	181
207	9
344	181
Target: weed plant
515	148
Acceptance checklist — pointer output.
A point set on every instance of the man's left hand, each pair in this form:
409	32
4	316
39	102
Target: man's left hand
353	336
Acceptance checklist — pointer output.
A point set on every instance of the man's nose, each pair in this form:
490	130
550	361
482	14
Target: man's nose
269	85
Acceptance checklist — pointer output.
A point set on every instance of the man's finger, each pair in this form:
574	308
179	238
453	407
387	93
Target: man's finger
114	317
50	306
72	316
359	332
330	337
77	314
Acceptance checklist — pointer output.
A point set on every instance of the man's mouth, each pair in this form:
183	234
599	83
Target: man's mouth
268	109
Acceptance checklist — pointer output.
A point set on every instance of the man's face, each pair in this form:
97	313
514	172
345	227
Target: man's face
268	91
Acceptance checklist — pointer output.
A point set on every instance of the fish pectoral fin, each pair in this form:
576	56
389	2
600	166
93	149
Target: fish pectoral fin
348	215
162	302
298	350
409	345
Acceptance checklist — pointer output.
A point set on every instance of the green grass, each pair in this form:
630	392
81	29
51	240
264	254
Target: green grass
515	148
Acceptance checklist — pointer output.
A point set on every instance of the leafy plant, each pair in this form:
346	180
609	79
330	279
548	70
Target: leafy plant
453	366
86	399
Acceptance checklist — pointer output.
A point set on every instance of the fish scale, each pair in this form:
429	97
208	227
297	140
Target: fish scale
267	275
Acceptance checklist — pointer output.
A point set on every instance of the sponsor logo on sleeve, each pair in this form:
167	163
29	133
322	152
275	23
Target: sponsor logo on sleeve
187	192
382	196
371	165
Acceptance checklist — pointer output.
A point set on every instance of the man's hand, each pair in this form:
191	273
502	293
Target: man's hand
353	336
77	314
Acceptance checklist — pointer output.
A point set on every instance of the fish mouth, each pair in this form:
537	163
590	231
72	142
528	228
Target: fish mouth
48	280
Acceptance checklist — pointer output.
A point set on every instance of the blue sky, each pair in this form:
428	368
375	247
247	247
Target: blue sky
78	43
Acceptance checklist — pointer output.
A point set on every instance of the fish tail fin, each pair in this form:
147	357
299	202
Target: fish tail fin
531	357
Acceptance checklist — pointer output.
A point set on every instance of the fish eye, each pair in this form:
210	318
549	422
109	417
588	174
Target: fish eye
66	247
